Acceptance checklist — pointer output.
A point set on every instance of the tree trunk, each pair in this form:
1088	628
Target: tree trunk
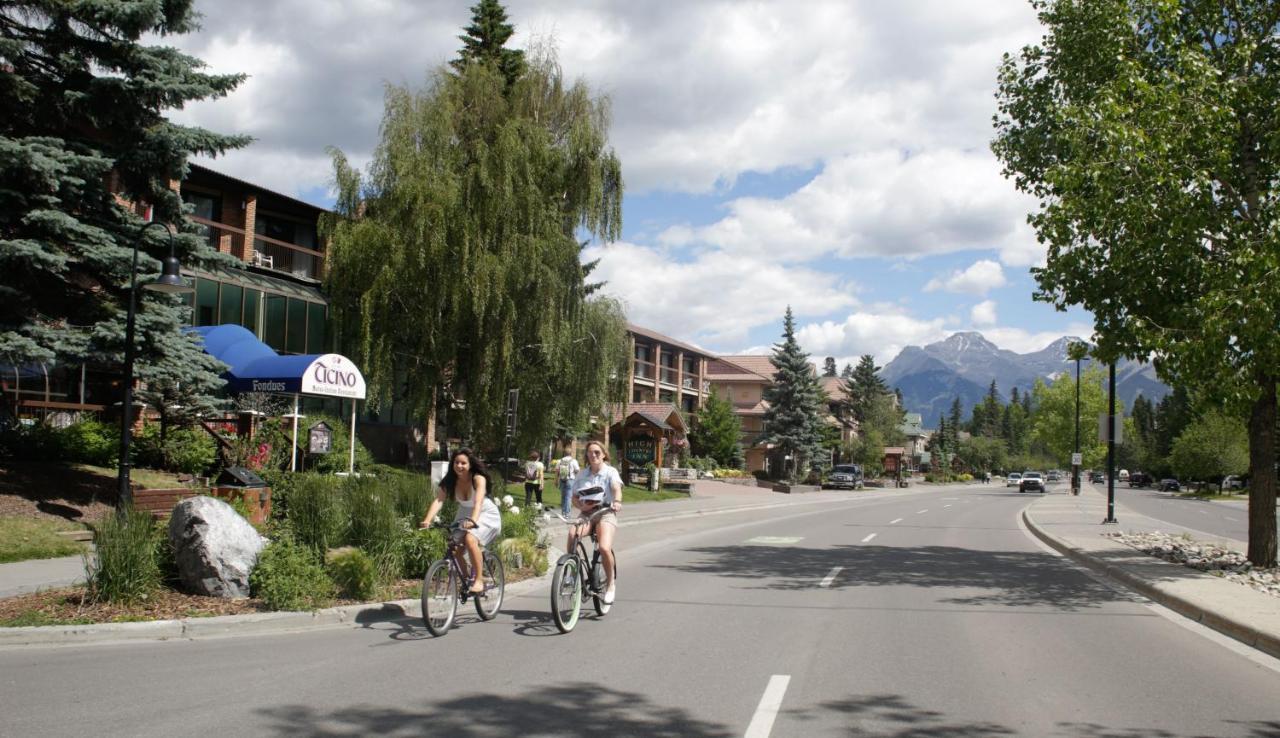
1262	475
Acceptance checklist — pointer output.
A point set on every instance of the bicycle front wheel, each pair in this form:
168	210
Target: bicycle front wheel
566	592
495	580
439	598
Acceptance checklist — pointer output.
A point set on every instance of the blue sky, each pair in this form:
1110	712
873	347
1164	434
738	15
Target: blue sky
831	155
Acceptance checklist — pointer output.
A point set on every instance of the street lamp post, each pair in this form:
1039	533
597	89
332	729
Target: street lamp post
1111	444
170	281
1075	467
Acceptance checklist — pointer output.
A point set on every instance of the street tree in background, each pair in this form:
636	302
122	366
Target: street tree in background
1053	424
455	261
863	387
829	366
717	432
485	42
793	420
1147	130
83	103
1212	446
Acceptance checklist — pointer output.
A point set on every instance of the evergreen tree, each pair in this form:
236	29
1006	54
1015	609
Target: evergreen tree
847	371
863	387
829	367
716	432
83	107
990	413
485	39
793	420
457	259
956	417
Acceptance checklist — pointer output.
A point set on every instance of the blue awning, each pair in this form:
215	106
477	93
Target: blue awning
254	367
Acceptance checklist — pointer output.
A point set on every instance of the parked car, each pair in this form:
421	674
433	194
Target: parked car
1031	481
844	476
1139	479
1053	476
1013	480
1169	485
1232	481
1098	478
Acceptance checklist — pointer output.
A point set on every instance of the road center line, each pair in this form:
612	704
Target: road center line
1231	519
891	522
922	512
831	575
944	507
762	722
866	540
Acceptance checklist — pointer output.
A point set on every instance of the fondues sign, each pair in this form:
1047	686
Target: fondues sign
333	375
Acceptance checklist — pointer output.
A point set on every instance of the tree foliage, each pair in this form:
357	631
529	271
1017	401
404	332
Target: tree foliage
83	107
1147	131
863	387
1211	447
1053	424
793	421
485	42
717	432
455	262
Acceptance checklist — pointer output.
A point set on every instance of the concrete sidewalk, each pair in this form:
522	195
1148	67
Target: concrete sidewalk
1073	526
22	577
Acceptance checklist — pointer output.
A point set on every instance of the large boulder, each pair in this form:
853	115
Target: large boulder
214	546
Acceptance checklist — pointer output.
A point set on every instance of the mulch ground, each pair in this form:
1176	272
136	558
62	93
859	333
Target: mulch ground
54	491
74	606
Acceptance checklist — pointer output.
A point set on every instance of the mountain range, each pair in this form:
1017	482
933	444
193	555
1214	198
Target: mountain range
964	365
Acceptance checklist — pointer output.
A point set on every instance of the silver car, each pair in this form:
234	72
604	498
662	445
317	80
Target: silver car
1014	480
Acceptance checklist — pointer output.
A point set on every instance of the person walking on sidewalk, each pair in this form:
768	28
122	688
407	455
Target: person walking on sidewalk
566	469
534	473
598	485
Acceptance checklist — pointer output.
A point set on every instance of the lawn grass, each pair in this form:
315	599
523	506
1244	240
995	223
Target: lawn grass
23	539
146	478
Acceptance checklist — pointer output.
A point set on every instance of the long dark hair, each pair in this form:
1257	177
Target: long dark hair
477	470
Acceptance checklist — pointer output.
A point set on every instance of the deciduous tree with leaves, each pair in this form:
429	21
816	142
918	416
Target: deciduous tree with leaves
1147	130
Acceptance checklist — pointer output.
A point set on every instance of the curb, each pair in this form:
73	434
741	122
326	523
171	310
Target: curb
225	626
1194	606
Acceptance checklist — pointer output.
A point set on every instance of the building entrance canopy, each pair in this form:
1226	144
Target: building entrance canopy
252	366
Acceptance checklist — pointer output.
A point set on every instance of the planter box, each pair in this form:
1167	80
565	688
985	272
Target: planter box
160	502
743	481
793	489
256	499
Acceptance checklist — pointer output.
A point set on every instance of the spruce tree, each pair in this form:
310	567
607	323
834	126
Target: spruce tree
793	420
829	366
485	40
863	387
716	432
847	371
83	109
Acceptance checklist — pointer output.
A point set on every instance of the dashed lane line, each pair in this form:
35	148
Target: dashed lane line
830	577
894	522
922	512
868	538
767	711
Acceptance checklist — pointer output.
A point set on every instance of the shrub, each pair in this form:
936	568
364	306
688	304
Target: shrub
90	442
519	552
125	566
190	450
418	548
353	572
372	522
315	511
521	525
288	577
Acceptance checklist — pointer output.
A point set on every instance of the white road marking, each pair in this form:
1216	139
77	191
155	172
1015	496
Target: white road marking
831	576
868	538
1203	512
1231	519
774	540
922	512
944	507
767	711
891	522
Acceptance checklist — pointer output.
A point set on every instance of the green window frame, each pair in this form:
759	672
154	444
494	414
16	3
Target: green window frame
296	338
229	303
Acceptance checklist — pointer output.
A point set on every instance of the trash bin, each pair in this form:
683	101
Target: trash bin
239	483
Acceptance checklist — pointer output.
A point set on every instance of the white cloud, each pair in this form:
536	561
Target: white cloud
881	334
1022	341
984	313
978	279
716	298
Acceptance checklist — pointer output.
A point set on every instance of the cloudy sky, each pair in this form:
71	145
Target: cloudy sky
828	155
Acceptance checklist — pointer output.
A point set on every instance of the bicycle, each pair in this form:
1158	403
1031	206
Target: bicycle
445	585
567	581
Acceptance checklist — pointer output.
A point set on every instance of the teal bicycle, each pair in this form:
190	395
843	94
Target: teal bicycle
574	575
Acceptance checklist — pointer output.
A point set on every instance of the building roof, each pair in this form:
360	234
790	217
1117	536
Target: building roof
252	186
658	413
757	364
656	336
834	387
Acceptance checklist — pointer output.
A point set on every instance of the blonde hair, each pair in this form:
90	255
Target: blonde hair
604	452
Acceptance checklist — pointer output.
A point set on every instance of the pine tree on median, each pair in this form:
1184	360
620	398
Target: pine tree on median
793	420
81	106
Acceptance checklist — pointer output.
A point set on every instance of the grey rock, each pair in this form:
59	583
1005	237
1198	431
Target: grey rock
215	548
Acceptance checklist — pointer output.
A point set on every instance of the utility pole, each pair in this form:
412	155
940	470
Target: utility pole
1111	445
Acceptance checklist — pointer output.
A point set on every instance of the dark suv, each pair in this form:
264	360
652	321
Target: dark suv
844	476
1031	481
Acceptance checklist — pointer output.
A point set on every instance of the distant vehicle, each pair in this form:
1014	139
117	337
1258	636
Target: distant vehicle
1123	475
1053	476
844	476
1014	480
1169	485
1031	481
1232	481
1098	478
1139	479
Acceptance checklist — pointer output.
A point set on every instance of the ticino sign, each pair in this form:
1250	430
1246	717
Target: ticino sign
333	375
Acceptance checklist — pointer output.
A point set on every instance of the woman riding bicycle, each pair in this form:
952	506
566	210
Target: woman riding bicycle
468	483
598	485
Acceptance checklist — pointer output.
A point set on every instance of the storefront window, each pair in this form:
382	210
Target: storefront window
206	302
296	339
274	321
229	311
317	326
252	301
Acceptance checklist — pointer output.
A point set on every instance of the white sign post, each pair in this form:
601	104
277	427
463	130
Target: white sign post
1077	459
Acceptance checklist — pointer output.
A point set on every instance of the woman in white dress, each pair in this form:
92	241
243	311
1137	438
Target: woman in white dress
468	483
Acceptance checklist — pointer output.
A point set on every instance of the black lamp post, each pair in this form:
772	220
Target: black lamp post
170	281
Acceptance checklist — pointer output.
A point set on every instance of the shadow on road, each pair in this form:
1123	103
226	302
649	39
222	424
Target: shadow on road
582	709
1009	578
1255	728
893	715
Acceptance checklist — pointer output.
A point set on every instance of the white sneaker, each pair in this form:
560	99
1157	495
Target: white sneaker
609	594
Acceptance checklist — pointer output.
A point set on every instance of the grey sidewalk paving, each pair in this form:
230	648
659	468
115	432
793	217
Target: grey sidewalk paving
1073	526
22	577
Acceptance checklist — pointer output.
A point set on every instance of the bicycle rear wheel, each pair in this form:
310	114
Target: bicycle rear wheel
495	580
598	580
566	592
439	598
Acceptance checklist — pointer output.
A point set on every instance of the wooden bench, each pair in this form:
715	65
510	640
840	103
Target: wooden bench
678	479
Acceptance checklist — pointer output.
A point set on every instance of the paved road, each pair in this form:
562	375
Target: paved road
1224	518
907	613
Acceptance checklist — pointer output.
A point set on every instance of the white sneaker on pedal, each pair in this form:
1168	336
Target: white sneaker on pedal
609	594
